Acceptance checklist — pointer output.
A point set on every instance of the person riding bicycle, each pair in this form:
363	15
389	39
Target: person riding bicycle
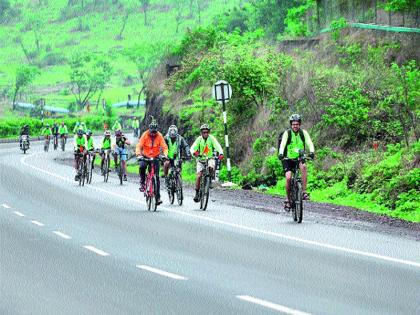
91	146
176	146
106	145
292	142
136	126
55	129
76	127
62	130
205	146
120	149
46	131
24	131
80	146
116	126
150	145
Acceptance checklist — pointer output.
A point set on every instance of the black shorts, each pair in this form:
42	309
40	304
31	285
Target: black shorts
289	165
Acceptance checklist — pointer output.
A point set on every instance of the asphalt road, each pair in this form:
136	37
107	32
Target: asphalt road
67	249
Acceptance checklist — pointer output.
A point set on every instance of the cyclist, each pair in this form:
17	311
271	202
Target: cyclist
149	146
91	146
76	127
46	131
83	126
55	131
120	150
292	141
24	131
116	126
106	145
136	126
63	131
176	146
205	145
80	146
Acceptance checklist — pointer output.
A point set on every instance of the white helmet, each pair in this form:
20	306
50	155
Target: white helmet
173	131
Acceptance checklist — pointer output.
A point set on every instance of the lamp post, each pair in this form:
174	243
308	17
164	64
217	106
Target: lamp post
222	93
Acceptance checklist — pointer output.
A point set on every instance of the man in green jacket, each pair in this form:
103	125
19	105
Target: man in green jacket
205	146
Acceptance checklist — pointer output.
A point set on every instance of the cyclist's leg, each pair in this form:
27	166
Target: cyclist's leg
166	168
200	168
123	157
142	173
116	157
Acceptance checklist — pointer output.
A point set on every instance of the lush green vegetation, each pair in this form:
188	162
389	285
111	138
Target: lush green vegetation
352	94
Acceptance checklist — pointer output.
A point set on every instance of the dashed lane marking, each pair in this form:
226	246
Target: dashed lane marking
161	272
273	306
96	250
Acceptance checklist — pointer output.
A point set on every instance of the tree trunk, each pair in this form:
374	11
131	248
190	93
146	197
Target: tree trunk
14	98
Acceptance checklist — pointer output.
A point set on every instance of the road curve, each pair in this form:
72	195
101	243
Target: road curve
67	249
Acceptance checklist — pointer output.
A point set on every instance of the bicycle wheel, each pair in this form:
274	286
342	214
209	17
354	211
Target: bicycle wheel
84	173
154	195
299	203
80	171
62	144
205	196
178	188
171	189
293	199
106	169
120	172
148	194
90	171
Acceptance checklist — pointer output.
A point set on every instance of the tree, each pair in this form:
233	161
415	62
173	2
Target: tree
145	58
24	76
144	5
88	76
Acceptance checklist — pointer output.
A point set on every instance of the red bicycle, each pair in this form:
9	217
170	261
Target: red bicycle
150	192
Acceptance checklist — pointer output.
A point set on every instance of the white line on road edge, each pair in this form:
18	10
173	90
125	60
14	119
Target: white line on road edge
96	250
6	206
273	306
65	236
161	272
241	227
19	214
37	223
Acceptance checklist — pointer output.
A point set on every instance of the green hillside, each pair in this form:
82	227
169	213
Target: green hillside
47	34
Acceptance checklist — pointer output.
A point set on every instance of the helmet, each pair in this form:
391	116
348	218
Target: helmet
205	127
118	133
153	126
62	122
107	133
77	123
89	132
295	117
173	131
80	132
25	126
47	125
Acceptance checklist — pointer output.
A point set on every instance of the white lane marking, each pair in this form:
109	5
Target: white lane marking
242	227
161	272
19	214
271	305
37	223
6	206
61	234
96	250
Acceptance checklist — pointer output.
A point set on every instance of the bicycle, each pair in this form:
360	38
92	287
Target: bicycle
175	182
119	167
205	182
82	167
63	141
89	165
296	190
55	142
47	143
151	183
106	165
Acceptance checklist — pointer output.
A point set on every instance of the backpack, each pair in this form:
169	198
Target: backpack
289	139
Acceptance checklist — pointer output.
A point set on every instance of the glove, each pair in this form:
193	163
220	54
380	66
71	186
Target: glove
312	155
196	153
221	157
281	157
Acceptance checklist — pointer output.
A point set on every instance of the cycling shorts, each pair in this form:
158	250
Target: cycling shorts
122	152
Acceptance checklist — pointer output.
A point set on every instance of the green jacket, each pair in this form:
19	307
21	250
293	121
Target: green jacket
135	124
106	143
206	147
63	130
298	141
80	142
90	144
46	132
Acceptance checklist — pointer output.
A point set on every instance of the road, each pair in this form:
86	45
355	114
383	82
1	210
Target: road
67	249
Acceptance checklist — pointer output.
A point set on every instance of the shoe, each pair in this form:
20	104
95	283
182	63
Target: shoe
77	177
306	196
159	202
197	197
287	206
125	178
142	188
